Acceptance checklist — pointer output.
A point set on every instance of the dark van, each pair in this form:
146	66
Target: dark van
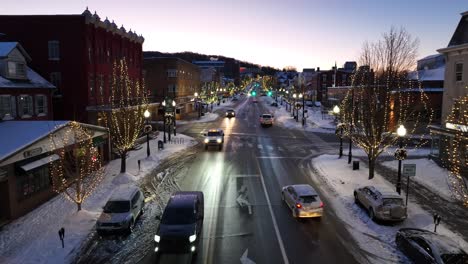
181	224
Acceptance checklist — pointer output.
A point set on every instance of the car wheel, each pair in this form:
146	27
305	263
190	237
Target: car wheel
356	200
371	214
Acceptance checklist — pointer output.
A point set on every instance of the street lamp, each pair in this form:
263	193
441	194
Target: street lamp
336	111
174	116
197	102
295	106
303	108
400	155
164	120
147	115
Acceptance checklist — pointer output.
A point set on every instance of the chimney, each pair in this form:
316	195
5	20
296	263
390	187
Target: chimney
318	69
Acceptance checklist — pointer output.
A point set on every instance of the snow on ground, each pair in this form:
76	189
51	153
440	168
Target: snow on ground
34	238
377	241
429	174
208	117
315	121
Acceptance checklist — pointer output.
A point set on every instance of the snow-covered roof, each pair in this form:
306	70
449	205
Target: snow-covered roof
25	133
431	56
7	47
34	81
123	193
437	74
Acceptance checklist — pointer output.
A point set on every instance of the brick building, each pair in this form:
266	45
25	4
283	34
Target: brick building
24	94
76	54
321	80
173	78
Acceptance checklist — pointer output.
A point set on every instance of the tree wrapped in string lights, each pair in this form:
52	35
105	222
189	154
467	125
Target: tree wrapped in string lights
457	148
125	116
79	170
381	97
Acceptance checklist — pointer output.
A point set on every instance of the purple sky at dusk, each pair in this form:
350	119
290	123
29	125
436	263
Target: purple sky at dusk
300	33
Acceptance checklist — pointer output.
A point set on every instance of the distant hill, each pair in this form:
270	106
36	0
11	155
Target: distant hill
192	56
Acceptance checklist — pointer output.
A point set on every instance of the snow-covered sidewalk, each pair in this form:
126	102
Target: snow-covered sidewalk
315	121
377	241
34	238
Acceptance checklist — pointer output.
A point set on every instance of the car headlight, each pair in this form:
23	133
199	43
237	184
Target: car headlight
207	140
157	238
218	140
192	238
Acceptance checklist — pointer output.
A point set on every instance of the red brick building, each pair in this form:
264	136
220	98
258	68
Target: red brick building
321	80
24	94
76	54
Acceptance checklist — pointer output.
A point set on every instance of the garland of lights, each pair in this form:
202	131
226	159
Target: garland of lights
457	149
376	104
128	102
79	170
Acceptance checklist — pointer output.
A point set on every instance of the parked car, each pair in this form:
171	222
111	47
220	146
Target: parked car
383	205
266	120
235	98
181	224
230	113
274	104
214	137
303	200
422	246
121	211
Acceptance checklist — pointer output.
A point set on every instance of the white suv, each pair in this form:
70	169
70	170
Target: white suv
214	137
121	210
266	120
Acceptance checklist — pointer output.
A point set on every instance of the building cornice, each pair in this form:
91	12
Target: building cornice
111	27
453	48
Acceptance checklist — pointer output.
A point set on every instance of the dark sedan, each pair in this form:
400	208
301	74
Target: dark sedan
422	246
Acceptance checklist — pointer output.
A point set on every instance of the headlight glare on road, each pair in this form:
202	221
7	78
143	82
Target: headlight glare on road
218	140
207	140
192	238
157	238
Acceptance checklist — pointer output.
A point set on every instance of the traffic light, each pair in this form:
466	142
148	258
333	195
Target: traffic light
269	93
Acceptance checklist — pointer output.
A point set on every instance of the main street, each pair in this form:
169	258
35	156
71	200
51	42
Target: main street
245	218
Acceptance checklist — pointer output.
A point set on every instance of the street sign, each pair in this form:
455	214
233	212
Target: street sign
409	170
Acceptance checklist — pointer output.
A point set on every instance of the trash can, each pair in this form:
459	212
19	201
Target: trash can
355	165
160	145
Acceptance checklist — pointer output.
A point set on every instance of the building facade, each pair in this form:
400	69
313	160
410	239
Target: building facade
321	80
455	93
24	94
173	78
76	53
25	181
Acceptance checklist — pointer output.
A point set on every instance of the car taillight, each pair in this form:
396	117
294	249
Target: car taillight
299	205
321	204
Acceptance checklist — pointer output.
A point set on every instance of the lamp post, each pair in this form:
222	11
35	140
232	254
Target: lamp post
174	116
164	120
294	114
303	107
147	115
336	111
197	102
350	153
400	154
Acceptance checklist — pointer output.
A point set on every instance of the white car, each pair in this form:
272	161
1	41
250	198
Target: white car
303	200
266	120
214	137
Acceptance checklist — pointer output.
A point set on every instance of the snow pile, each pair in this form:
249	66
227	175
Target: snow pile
34	238
377	241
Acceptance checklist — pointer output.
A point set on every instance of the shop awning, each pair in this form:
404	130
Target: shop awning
41	162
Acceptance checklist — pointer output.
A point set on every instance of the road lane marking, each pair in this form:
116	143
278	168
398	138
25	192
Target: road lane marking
273	217
278	157
245	175
244	259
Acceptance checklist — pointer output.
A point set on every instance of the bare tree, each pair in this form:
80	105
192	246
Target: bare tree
381	96
78	171
124	117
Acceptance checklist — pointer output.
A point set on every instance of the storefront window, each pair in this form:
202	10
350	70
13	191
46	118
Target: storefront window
32	182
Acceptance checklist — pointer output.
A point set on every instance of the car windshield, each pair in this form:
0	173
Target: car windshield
178	216
392	201
117	207
213	134
266	116
454	258
308	198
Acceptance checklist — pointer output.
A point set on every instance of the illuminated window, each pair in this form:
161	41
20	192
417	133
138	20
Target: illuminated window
25	106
